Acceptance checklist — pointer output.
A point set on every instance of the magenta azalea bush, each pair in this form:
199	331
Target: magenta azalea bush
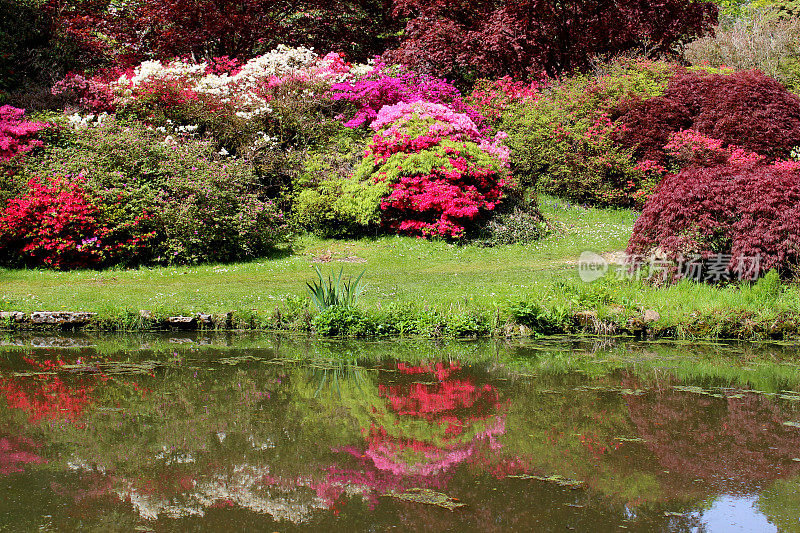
444	176
385	86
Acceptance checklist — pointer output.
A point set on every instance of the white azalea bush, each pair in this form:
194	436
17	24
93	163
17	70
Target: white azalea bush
268	97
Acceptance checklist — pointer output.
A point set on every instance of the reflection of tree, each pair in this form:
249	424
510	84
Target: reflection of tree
574	433
726	441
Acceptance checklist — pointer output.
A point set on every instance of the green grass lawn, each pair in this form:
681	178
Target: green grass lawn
399	269
402	269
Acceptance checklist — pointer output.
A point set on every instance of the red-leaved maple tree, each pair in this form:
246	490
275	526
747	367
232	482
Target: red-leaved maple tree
524	37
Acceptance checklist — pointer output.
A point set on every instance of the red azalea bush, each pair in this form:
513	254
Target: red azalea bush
745	109
739	209
444	176
17	135
57	224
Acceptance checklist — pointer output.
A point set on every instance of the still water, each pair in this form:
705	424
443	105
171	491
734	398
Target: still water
205	433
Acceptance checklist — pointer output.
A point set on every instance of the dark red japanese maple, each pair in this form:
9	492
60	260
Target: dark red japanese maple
524	37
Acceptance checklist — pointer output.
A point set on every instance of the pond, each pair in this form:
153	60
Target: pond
238	433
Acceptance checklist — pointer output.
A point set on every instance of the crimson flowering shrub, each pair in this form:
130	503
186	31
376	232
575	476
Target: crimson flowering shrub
160	29
745	109
17	135
57	223
443	175
738	208
187	202
387	85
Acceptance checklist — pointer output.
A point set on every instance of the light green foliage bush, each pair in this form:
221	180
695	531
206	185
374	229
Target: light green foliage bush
562	141
760	39
327	200
201	207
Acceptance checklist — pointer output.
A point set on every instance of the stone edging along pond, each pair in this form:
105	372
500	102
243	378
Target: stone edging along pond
646	324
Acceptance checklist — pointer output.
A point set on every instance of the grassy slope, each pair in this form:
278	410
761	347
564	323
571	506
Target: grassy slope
398	269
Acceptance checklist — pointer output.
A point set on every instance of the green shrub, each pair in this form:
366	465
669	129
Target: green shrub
323	196
339	206
340	321
518	226
540	318
467	324
200	206
562	142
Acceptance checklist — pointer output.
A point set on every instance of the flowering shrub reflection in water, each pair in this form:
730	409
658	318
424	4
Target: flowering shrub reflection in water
46	396
429	428
16	452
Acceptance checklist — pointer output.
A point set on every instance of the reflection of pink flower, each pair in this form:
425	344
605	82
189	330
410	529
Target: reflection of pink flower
448	423
14	455
386	453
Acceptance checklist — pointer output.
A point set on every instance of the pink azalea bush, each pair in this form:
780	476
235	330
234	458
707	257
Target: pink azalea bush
17	135
94	93
444	175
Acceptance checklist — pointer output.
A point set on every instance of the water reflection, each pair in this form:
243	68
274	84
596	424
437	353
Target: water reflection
338	437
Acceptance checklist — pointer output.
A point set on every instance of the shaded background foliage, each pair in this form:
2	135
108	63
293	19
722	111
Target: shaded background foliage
42	39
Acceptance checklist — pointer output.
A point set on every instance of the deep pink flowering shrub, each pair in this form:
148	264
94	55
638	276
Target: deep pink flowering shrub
386	86
57	224
745	211
688	147
17	135
492	97
93	93
444	176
